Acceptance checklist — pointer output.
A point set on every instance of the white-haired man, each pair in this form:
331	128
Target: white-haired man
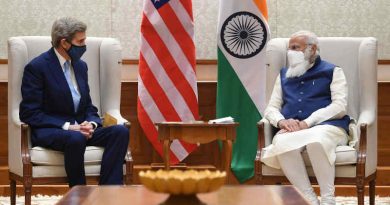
308	104
57	105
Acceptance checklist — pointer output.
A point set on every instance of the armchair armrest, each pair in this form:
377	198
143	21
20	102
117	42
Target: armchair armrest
15	117
268	132
17	155
367	150
367	117
264	135
366	154
264	126
26	159
362	153
264	138
25	130
129	161
260	145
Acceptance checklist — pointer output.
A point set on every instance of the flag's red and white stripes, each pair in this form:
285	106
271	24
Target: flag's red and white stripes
167	89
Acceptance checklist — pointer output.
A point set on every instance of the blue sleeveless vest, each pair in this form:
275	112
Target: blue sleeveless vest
309	92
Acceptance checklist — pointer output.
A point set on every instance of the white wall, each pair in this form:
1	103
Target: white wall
121	19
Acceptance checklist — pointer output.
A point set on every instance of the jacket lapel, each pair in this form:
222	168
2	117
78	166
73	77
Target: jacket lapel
58	75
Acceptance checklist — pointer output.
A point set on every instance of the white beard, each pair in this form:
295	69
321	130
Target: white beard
300	68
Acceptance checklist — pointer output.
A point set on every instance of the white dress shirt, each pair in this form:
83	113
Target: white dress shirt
72	76
337	109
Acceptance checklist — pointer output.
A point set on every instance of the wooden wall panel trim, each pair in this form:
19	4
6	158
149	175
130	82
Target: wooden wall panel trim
384	62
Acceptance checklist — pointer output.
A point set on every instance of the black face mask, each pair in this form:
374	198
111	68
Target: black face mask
75	52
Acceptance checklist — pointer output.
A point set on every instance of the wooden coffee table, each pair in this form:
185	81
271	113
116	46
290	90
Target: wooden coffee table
227	195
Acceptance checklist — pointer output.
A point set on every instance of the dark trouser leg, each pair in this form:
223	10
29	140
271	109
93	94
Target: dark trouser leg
115	140
72	143
74	158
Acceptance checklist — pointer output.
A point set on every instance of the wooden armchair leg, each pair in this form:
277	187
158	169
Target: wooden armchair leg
128	178
360	193
129	168
372	191
258	170
27	194
13	191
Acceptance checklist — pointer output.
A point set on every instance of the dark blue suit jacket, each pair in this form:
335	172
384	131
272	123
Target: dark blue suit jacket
47	100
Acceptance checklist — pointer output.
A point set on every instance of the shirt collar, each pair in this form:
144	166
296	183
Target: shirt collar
61	59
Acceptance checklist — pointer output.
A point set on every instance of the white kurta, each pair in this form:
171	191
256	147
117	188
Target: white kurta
328	135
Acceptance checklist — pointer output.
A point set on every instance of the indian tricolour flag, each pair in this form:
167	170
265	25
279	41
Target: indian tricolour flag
242	35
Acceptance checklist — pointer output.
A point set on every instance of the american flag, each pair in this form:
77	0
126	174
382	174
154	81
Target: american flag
167	89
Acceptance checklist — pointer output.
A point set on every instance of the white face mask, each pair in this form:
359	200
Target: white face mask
298	62
295	57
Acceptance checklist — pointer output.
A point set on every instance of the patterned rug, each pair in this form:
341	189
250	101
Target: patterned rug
50	200
35	200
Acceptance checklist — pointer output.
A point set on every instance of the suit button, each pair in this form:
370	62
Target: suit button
300	111
299	100
301	93
302	82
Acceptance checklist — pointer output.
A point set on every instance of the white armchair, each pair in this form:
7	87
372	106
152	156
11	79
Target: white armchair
37	165
355	165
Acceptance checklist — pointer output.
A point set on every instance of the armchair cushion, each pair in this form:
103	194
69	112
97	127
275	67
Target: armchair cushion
42	156
345	155
59	171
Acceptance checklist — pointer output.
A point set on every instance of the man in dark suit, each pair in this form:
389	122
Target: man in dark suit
57	105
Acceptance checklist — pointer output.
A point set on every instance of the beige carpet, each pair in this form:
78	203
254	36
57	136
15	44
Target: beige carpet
49	200
35	200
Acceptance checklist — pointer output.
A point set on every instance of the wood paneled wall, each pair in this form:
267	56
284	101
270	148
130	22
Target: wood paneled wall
3	124
384	127
143	153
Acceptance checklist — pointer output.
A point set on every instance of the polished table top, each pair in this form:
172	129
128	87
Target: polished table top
227	195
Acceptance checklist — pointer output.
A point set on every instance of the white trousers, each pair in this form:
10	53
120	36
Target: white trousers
294	168
328	135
